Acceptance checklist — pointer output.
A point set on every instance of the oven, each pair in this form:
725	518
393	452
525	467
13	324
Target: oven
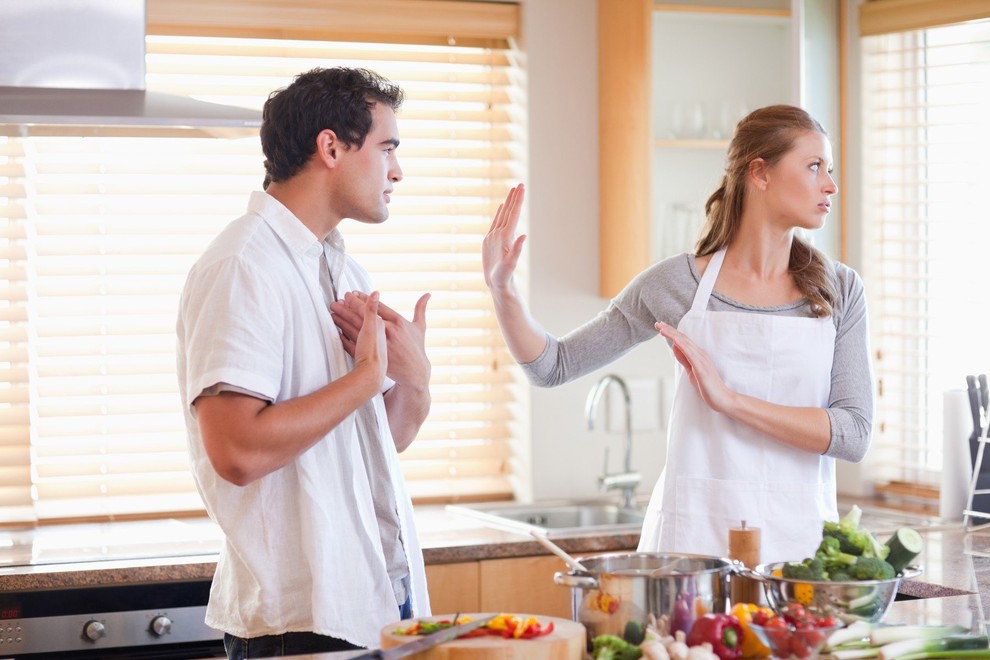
150	621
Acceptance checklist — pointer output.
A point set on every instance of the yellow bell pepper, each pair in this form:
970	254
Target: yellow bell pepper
804	593
752	647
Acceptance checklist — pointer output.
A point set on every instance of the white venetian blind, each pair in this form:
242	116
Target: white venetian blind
100	232
926	137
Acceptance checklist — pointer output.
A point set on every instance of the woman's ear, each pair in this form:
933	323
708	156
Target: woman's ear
759	173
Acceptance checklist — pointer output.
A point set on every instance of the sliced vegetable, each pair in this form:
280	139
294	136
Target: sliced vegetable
905	545
920	648
503	625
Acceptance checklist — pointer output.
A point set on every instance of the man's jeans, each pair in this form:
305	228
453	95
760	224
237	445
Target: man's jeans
294	643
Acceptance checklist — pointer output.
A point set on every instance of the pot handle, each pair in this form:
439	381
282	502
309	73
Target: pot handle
751	574
736	567
576	580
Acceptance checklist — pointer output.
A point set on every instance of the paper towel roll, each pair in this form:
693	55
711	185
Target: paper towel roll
957	471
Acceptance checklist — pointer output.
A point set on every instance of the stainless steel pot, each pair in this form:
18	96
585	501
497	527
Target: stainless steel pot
623	592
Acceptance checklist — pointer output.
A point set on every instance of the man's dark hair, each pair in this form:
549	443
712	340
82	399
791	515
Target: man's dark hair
340	99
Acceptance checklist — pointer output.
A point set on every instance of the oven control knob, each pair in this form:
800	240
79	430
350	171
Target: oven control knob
161	625
94	630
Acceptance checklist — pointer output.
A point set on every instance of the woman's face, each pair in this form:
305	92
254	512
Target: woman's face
800	184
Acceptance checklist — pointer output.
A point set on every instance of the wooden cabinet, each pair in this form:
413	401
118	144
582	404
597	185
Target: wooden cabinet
454	587
518	585
524	585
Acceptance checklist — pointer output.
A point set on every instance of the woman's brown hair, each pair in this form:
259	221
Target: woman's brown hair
767	133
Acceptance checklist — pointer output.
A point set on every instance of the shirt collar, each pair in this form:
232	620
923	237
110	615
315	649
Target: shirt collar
284	223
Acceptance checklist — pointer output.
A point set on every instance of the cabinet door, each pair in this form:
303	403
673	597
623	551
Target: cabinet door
524	585
454	587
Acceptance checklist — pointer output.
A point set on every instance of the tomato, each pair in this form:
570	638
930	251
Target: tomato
800	646
826	622
794	612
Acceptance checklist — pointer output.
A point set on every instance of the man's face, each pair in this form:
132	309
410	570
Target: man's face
367	175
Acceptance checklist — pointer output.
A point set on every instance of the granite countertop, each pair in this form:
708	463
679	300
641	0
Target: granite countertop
66	556
954	587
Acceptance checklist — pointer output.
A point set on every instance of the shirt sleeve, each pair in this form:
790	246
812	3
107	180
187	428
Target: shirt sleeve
851	402
662	292
234	329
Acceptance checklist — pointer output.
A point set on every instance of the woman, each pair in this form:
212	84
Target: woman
770	338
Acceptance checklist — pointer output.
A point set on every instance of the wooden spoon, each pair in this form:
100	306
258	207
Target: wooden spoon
557	550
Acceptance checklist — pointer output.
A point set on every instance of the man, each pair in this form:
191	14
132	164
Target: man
297	395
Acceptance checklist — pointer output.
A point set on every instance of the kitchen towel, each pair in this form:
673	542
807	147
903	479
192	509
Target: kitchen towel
957	425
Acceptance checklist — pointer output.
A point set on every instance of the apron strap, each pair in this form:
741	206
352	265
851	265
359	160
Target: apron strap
707	283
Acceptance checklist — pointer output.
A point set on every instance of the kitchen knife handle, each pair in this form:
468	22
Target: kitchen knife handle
984	394
974	405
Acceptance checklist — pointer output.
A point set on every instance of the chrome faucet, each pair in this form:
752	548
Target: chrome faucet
627	480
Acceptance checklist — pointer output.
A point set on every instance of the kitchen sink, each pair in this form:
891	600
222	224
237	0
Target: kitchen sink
555	519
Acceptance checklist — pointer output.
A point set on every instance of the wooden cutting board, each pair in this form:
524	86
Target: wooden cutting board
566	642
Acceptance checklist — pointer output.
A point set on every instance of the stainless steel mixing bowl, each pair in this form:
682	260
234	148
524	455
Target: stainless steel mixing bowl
855	600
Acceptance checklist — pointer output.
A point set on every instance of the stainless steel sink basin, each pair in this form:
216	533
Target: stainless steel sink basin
555	519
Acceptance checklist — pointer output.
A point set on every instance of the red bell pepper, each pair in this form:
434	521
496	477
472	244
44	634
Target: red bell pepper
722	631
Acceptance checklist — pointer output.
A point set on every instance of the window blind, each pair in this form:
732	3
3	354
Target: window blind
100	232
927	99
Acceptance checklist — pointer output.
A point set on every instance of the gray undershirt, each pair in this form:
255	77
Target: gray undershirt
665	292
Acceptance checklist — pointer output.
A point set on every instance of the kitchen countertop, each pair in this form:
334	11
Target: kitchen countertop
954	588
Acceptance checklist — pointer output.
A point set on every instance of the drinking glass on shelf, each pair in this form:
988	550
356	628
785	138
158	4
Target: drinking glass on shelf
688	121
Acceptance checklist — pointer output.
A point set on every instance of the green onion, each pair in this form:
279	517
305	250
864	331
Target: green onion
965	653
922	648
858	630
854	654
888	634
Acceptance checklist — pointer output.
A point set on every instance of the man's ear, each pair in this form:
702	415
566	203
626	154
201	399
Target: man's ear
327	147
759	173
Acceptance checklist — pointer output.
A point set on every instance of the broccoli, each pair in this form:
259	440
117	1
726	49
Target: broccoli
809	569
852	539
872	568
832	558
613	647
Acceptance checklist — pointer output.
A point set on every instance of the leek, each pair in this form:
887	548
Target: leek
854	654
888	634
965	653
922	648
854	632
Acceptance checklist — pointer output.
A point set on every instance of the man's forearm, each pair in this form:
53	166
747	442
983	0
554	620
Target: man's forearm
406	407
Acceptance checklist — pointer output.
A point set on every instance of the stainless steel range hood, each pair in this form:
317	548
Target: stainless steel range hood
76	67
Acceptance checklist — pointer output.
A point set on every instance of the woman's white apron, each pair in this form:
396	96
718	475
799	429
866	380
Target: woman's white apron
720	472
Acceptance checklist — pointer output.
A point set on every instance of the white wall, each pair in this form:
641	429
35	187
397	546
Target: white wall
559	39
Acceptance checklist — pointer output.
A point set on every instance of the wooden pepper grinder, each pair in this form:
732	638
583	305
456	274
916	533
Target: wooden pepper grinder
744	545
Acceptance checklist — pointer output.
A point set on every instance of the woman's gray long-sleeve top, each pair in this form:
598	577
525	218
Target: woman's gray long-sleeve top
665	291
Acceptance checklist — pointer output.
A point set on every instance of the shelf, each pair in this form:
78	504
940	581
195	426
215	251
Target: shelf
691	144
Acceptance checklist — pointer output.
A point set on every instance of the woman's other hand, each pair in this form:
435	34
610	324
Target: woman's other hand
501	247
700	369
